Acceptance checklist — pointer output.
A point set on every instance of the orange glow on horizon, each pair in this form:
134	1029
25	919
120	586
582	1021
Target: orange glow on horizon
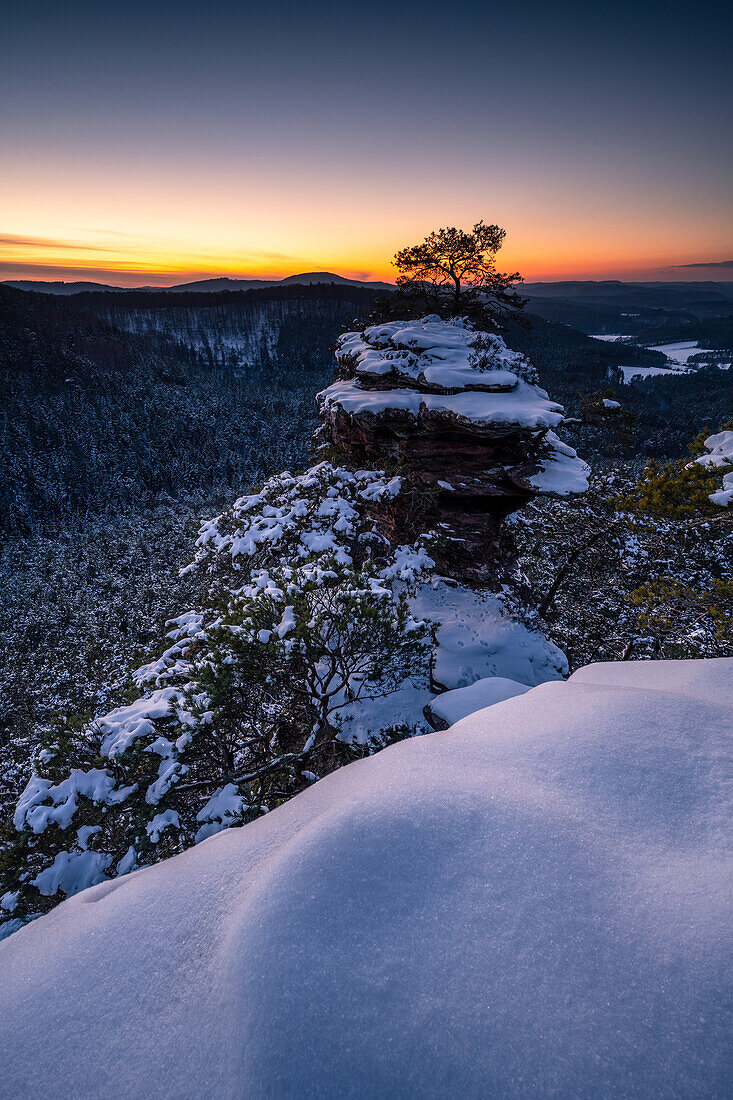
131	260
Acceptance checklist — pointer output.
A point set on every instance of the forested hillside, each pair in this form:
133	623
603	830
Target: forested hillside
112	401
129	417
107	409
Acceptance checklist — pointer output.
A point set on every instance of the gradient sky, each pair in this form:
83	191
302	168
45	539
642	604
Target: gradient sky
157	142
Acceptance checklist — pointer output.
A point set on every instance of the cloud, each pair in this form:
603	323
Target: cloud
127	275
705	263
270	255
12	240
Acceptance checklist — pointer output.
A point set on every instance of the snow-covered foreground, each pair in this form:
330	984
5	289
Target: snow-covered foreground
534	902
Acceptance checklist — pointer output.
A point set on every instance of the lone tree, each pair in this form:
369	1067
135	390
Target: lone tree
456	270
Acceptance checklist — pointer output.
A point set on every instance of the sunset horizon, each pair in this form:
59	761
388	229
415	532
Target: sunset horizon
150	271
171	143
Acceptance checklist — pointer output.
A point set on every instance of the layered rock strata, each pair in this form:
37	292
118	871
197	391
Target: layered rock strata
462	419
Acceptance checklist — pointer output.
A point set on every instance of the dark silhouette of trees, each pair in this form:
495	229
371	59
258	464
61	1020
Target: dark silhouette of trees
454	271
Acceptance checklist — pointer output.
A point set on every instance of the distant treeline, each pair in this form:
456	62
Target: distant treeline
111	401
361	297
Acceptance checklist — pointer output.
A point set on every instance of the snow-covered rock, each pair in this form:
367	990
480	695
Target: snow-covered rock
536	902
450	707
463	418
720	455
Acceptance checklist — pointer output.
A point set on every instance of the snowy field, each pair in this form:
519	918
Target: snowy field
681	351
630	373
535	902
678	354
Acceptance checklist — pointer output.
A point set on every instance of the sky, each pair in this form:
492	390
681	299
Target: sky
153	143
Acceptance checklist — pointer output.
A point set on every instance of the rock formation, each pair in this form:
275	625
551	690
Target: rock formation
462	419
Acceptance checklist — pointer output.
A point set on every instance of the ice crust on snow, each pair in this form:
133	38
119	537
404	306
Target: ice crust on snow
534	902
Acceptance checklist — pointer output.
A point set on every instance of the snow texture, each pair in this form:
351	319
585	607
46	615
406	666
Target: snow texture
477	638
72	872
436	374
448	355
536	902
640	373
480	382
97	785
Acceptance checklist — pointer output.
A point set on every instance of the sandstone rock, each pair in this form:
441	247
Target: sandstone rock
461	418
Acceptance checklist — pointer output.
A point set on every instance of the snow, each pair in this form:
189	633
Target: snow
526	406
532	903
9	900
609	404
449	355
160	822
223	808
678	355
720	454
630	373
483	383
476	638
681	351
561	472
369	718
72	872
450	707
126	724
97	785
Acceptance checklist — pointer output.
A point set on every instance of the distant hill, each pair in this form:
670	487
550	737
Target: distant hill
617	308
58	287
614	288
202	286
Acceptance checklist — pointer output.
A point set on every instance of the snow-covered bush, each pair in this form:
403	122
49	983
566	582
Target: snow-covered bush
684	489
637	567
307	616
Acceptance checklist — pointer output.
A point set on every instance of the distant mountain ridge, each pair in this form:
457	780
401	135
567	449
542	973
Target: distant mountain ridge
307	278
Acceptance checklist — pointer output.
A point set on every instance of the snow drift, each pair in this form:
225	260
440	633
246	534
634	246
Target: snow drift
534	902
